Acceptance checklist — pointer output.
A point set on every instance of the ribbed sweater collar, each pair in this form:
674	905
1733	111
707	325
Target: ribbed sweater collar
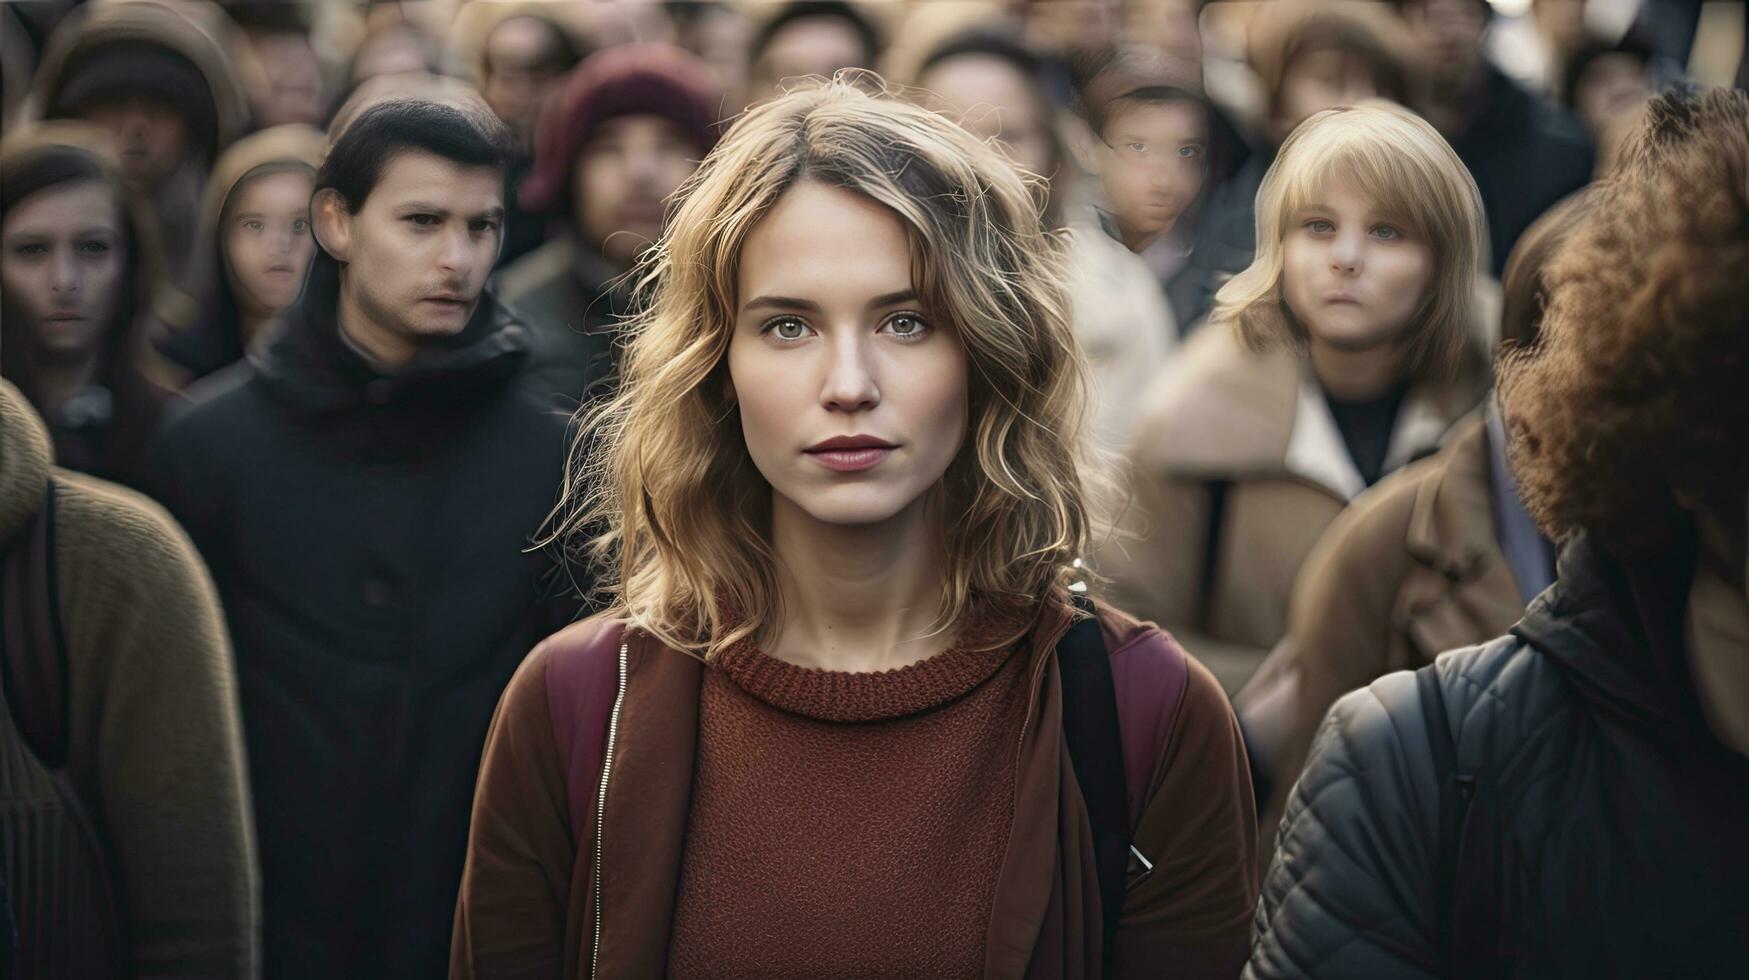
865	696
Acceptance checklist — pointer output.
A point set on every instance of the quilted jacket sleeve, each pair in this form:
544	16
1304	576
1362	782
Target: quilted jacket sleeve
1349	891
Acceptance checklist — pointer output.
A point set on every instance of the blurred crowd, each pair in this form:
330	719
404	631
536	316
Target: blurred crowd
1304	519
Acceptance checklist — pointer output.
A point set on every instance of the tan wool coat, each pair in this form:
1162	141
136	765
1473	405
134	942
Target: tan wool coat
1412	570
1256	423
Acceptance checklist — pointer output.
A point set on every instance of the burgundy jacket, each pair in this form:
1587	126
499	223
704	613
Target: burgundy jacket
565	881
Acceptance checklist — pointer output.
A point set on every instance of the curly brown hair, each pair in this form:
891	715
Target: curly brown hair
1635	401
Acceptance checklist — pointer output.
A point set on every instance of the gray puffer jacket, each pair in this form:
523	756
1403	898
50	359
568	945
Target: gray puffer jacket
1594	825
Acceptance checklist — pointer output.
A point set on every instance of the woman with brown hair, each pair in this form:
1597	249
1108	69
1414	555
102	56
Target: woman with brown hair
80	268
837	720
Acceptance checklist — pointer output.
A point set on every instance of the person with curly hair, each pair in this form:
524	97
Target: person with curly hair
837	721
1569	799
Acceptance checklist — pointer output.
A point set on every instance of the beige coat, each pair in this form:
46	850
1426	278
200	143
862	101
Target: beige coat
1412	570
1256	423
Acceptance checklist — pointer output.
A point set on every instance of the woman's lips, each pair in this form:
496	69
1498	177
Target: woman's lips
851	460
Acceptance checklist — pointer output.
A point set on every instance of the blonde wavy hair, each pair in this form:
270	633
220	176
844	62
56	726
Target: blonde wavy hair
1401	162
662	502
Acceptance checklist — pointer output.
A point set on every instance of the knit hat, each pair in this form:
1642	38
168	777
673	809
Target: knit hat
632	80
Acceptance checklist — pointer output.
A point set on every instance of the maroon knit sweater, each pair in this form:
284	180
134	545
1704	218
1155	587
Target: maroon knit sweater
848	824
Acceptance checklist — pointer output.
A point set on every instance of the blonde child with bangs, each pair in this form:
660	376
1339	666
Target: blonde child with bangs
1346	349
829	725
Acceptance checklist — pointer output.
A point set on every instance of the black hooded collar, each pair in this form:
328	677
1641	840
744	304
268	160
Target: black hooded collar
312	369
1617	630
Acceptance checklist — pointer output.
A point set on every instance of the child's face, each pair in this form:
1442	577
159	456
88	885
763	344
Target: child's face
1352	276
1155	160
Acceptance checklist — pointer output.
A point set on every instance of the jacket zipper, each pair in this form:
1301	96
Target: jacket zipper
601	805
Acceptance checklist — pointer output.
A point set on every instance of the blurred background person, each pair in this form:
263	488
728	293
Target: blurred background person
364	490
278	64
1606	84
124	797
1442	554
1524	153
255	247
1308	55
993	86
163	86
627	127
522	62
1343	352
1159	149
720	33
80	270
805	38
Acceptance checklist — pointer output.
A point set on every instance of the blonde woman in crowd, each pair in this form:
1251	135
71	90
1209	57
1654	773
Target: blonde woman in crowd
845	718
1341	353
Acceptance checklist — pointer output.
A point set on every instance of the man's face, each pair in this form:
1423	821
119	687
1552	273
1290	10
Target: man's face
1613	87
520	60
624	177
1153	164
1450	34
418	252
151	136
1320	79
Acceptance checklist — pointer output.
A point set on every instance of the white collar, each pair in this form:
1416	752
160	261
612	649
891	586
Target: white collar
1316	452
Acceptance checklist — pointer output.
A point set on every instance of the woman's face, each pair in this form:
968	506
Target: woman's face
853	401
63	263
267	239
1352	278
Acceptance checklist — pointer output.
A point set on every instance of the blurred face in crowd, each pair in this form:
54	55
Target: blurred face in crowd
1353	277
720	36
1450	35
1319	79
416	254
852	400
624	177
267	240
1153	164
522	63
287	85
810	46
151	137
994	100
1067	26
63	263
1562	22
392	51
1611	88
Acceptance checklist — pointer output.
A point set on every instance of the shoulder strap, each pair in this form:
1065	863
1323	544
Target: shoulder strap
1456	791
33	646
1214	540
1096	749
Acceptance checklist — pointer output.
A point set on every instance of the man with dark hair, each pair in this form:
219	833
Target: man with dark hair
1524	153
522	62
810	37
364	489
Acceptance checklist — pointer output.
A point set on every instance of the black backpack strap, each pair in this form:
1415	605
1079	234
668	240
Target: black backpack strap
1213	542
33	646
1095	741
1456	791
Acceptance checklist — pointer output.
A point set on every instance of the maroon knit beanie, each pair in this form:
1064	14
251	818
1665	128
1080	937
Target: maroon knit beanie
631	80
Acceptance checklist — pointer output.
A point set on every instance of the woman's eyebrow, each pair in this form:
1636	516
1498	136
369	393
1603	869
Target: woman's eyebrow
809	306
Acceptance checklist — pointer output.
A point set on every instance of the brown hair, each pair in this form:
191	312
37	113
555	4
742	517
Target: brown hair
1633	400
